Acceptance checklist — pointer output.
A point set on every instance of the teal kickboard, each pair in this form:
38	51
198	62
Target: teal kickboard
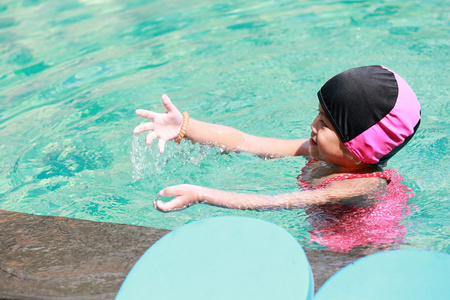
397	274
222	258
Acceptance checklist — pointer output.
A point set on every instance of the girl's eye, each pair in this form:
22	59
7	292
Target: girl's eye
323	123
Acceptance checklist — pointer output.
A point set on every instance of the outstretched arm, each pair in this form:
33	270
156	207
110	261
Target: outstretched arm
166	127
186	195
238	141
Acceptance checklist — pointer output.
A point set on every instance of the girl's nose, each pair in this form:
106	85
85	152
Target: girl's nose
313	125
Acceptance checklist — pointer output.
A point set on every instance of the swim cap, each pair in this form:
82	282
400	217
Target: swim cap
373	110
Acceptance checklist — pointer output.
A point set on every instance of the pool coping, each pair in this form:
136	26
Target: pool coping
47	257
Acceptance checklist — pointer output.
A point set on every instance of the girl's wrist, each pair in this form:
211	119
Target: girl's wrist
206	195
183	128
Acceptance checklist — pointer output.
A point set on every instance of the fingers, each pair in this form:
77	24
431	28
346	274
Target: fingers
151	137
176	204
168	104
185	196
162	125
167	206
161	144
146	113
174	191
143	127
151	115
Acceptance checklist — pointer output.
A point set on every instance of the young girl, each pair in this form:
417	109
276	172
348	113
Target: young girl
366	115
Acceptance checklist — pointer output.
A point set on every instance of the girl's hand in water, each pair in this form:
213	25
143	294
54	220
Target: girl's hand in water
165	126
185	196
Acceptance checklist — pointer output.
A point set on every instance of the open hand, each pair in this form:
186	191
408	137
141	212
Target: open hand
165	126
185	196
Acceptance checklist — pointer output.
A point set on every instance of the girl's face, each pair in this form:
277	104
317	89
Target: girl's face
326	145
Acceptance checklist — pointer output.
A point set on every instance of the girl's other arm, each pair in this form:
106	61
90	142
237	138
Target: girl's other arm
187	195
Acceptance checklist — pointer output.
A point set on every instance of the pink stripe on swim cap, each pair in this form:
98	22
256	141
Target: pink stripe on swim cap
391	131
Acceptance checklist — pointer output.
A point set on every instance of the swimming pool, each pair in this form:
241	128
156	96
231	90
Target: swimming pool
73	73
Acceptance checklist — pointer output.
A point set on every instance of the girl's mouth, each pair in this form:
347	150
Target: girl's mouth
311	142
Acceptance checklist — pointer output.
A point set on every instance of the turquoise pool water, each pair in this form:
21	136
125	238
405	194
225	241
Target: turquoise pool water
73	72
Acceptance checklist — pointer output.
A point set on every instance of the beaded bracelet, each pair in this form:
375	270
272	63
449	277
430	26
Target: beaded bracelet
183	127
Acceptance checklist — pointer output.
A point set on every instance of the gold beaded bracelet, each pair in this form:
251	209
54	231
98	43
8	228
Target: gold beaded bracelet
183	127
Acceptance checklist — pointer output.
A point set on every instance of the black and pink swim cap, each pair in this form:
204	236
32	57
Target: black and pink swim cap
373	110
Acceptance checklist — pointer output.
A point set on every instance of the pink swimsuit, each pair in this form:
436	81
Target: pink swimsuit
306	185
342	227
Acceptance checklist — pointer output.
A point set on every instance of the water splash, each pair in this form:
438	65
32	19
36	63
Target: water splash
182	159
139	157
